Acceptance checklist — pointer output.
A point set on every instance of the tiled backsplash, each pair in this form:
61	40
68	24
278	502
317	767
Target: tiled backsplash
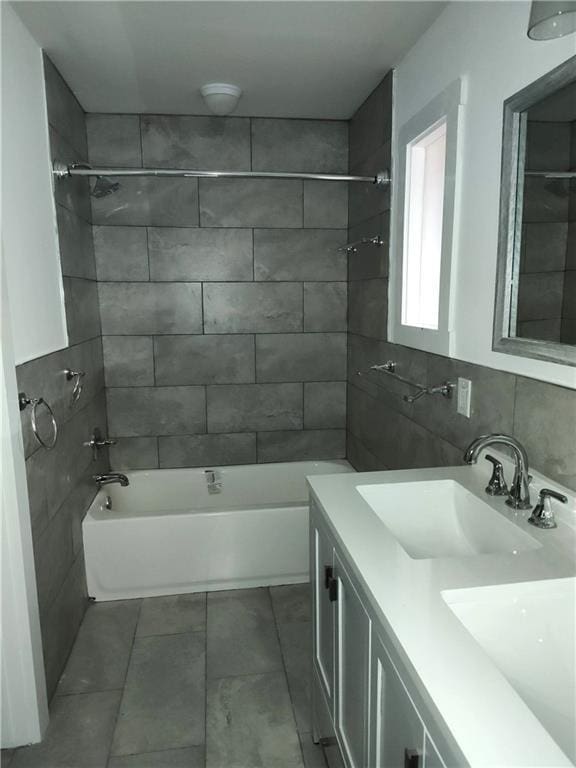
223	302
60	483
384	431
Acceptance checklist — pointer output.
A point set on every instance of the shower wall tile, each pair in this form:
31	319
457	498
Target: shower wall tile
299	254
301	357
252	307
209	359
544	247
368	200
368	308
114	140
324	404
76	246
147	411
307	146
82	309
150	308
540	296
73	192
302	445
134	453
206	143
371	125
128	361
64	111
370	261
189	271
147	201
326	204
325	306
250	203
203	450
200	254
121	253
254	407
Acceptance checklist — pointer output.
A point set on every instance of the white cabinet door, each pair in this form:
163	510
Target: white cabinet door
396	730
323	557
431	757
352	672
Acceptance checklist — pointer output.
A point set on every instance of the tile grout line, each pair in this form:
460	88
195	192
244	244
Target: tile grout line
285	671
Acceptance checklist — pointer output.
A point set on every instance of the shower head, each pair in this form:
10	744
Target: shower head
104	186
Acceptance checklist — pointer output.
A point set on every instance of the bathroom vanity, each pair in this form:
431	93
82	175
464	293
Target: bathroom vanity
443	623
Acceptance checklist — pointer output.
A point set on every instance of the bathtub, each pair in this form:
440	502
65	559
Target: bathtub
166	533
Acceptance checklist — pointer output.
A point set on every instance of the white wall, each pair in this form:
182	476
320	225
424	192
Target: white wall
486	44
28	210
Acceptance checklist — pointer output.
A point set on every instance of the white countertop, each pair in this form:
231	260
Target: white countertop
490	722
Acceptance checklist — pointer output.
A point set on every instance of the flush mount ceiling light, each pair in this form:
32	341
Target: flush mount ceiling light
221	98
550	19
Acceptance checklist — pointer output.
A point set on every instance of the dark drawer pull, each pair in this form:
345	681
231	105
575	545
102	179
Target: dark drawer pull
333	590
412	758
328	575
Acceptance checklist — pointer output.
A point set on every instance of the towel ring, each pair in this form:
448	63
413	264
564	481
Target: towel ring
23	402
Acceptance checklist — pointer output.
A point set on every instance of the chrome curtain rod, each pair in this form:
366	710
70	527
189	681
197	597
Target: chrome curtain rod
61	170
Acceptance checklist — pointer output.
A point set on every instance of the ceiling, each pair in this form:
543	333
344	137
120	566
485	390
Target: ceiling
292	59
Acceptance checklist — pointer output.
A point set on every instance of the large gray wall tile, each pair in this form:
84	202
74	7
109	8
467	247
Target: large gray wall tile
204	143
76	246
251	407
371	125
134	453
64	111
200	254
250	203
369	261
210	359
325	307
544	247
153	202
203	450
302	445
82	310
326	204
324	404
150	308
545	423
121	253
299	254
73	192
170	669
143	411
114	140
368	308
368	200
301	357
128	361
540	296
308	146
250	308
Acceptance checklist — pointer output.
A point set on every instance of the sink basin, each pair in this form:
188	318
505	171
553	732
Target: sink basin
440	518
528	631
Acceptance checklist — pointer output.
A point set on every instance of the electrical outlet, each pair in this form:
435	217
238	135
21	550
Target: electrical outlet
464	397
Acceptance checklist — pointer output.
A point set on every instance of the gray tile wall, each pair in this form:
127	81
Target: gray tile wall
60	481
568	331
223	302
382	430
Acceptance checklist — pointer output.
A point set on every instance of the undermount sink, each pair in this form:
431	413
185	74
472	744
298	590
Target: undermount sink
528	631
441	518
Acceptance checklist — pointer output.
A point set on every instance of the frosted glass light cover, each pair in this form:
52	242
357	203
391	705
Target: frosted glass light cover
549	20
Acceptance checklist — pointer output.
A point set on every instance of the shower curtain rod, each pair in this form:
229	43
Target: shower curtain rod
61	170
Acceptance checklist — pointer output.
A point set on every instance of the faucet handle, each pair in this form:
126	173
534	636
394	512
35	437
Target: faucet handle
497	484
542	515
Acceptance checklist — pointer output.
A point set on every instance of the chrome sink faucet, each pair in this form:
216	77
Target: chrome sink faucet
519	493
112	477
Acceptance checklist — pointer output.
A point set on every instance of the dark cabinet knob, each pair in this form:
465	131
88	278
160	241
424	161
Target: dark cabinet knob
328	575
412	758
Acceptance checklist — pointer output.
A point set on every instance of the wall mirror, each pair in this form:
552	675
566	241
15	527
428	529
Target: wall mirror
535	310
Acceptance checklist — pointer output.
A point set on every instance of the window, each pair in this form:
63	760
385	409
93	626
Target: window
422	237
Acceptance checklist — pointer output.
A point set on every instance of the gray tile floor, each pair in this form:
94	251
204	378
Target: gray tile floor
188	681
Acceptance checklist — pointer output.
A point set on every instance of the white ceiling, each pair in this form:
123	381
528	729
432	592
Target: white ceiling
292	59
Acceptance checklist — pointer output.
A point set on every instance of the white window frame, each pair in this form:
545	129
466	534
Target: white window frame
447	106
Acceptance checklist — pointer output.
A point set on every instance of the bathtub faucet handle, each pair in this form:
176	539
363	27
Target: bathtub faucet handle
97	442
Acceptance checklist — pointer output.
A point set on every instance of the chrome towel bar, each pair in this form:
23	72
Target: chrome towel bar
389	367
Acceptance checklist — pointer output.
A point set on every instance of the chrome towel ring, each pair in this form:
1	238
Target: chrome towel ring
24	402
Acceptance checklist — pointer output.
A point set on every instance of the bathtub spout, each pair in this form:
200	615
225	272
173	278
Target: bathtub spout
112	477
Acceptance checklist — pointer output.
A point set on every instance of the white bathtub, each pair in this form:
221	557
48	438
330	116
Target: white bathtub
166	534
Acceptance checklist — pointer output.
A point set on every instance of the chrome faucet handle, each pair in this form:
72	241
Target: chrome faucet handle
497	484
543	515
